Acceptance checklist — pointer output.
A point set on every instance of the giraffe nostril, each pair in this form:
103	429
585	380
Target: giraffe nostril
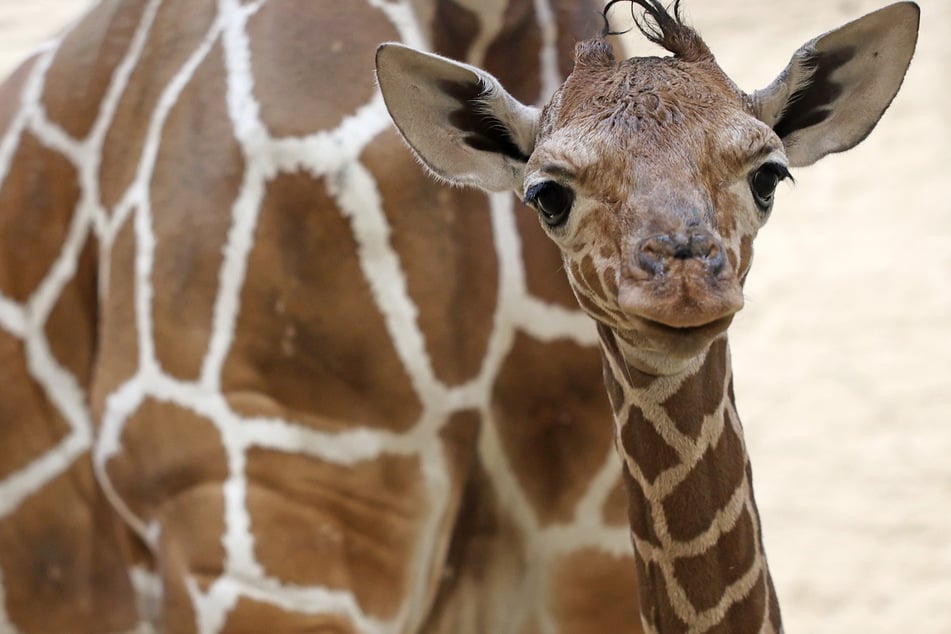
707	248
654	252
651	261
715	260
703	245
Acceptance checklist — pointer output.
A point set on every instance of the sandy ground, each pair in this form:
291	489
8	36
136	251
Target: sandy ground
843	354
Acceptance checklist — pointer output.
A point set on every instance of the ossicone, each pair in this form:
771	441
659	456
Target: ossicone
594	53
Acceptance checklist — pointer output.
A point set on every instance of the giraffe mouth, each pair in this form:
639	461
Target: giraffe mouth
673	341
708	330
682	305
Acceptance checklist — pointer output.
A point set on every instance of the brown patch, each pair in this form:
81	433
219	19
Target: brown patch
579	281
310	342
71	329
514	56
544	268
196	179
589	273
591	592
706	577
485	567
138	553
645	446
82	70
593	310
61	562
342	527
36	206
576	21
746	615
297	47
610	283
253	617
460	436
775	615
701	394
553	421
693	505
639	513
171	469
746	257
532	626
454	29
715	173
179	27
615	389
118	356
11	92
656	608
444	230
31	425
614	512
734	260
177	610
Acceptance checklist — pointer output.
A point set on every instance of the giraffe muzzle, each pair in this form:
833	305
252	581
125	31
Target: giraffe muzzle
680	280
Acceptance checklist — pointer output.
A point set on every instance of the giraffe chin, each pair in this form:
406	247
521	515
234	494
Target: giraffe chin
682	342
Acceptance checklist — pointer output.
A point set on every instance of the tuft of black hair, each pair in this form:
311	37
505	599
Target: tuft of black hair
660	26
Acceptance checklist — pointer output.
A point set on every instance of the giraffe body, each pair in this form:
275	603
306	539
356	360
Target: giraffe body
260	373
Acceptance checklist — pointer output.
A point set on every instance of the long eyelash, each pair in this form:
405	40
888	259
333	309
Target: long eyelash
532	193
783	172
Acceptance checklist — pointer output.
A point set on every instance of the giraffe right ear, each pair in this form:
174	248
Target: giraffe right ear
837	86
457	118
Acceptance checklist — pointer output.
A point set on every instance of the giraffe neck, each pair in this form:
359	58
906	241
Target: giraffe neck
694	521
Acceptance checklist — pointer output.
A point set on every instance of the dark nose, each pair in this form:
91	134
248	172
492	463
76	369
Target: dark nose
656	253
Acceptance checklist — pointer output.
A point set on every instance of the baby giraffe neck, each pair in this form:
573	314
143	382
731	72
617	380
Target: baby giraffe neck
694	522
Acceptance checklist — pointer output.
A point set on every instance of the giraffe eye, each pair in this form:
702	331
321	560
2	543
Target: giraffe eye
553	202
763	183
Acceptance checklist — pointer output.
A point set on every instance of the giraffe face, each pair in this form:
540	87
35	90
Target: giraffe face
653	179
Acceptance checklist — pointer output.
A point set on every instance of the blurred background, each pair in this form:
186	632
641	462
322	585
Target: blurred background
842	355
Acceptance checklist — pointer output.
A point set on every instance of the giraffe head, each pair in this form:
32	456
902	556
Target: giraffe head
652	175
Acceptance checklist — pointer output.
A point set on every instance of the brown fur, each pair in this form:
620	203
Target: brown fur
309	345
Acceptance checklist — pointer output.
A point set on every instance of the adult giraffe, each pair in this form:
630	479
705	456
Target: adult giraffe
257	370
653	176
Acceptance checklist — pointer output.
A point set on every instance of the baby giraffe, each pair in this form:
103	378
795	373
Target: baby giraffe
653	176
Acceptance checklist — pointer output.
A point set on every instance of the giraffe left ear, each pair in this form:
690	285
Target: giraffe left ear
838	86
457	118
